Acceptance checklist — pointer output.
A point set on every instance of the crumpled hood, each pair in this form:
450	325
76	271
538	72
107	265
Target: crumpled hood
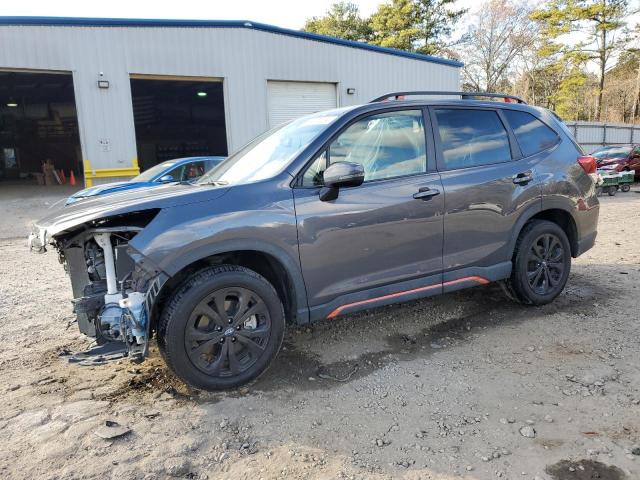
610	161
166	196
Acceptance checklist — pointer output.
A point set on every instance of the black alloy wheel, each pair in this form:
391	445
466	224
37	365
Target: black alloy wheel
227	332
545	266
541	263
221	328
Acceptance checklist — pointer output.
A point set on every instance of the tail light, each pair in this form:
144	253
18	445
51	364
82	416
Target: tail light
587	163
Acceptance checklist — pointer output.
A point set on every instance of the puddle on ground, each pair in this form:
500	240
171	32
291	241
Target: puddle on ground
584	470
305	371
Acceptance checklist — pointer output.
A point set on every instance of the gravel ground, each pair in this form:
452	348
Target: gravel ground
467	385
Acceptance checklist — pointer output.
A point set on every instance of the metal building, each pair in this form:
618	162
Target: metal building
113	96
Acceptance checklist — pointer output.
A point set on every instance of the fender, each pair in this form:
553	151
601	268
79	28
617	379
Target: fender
565	203
291	265
548	203
531	211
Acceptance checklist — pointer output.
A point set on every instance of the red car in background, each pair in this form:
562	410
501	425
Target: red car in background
618	158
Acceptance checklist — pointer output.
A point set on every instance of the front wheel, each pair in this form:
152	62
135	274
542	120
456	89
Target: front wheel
541	263
221	328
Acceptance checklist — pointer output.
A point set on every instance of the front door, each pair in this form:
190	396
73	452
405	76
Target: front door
375	240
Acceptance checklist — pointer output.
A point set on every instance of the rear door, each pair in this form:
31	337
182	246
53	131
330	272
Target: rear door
375	240
488	183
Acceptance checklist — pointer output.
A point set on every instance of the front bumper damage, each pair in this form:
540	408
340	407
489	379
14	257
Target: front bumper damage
114	294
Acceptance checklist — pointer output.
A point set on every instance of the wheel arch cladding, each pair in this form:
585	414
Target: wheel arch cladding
276	269
564	220
559	216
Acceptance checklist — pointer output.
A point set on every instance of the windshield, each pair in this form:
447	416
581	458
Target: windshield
147	175
271	152
611	152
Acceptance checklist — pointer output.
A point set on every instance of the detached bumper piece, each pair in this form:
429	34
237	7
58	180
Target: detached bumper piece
100	354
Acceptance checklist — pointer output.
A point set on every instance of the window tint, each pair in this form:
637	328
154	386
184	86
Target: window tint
176	173
472	137
387	145
193	171
313	174
532	135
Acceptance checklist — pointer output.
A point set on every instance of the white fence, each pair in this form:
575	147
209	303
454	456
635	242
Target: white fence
594	134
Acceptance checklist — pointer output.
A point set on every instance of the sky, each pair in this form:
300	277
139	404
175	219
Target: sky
283	13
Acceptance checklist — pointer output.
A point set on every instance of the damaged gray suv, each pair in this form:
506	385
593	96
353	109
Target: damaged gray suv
329	214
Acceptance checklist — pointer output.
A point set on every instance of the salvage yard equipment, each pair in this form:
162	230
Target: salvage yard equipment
625	180
610	183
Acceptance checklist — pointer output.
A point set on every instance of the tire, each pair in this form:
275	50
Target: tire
214	351
625	188
612	191
525	284
598	191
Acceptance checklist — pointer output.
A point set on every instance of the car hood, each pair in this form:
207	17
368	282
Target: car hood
127	201
107	187
610	161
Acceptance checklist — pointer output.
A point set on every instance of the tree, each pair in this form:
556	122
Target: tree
422	26
497	39
599	21
342	20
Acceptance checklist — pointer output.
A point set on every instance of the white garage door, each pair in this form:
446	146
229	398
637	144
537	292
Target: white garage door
289	100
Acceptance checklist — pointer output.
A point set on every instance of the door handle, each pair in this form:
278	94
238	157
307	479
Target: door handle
522	178
425	193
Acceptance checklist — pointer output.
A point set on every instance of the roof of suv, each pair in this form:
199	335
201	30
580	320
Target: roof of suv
448	102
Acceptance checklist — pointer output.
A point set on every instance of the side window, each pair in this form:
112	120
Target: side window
313	174
193	171
471	138
176	173
387	145
532	135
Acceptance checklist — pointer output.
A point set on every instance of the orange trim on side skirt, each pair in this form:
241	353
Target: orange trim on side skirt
478	280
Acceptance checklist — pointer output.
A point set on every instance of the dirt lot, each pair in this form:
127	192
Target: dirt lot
467	385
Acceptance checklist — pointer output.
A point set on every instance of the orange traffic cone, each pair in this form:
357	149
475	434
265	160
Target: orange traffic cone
72	178
62	176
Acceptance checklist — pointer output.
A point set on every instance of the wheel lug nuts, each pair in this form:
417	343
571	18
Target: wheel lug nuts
222	340
229	320
238	327
233	339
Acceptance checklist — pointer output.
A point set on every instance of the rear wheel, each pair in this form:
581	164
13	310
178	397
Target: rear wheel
612	191
625	188
541	263
221	328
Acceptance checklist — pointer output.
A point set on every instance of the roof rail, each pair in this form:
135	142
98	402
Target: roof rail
463	95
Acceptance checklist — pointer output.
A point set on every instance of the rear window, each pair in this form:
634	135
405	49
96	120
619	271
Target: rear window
532	135
471	138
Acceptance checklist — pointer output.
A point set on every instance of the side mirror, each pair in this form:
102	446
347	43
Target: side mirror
340	174
166	179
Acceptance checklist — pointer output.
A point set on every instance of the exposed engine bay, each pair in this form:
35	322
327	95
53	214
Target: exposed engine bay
112	296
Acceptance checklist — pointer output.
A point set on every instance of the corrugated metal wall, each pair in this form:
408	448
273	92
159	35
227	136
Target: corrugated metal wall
244	58
591	135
